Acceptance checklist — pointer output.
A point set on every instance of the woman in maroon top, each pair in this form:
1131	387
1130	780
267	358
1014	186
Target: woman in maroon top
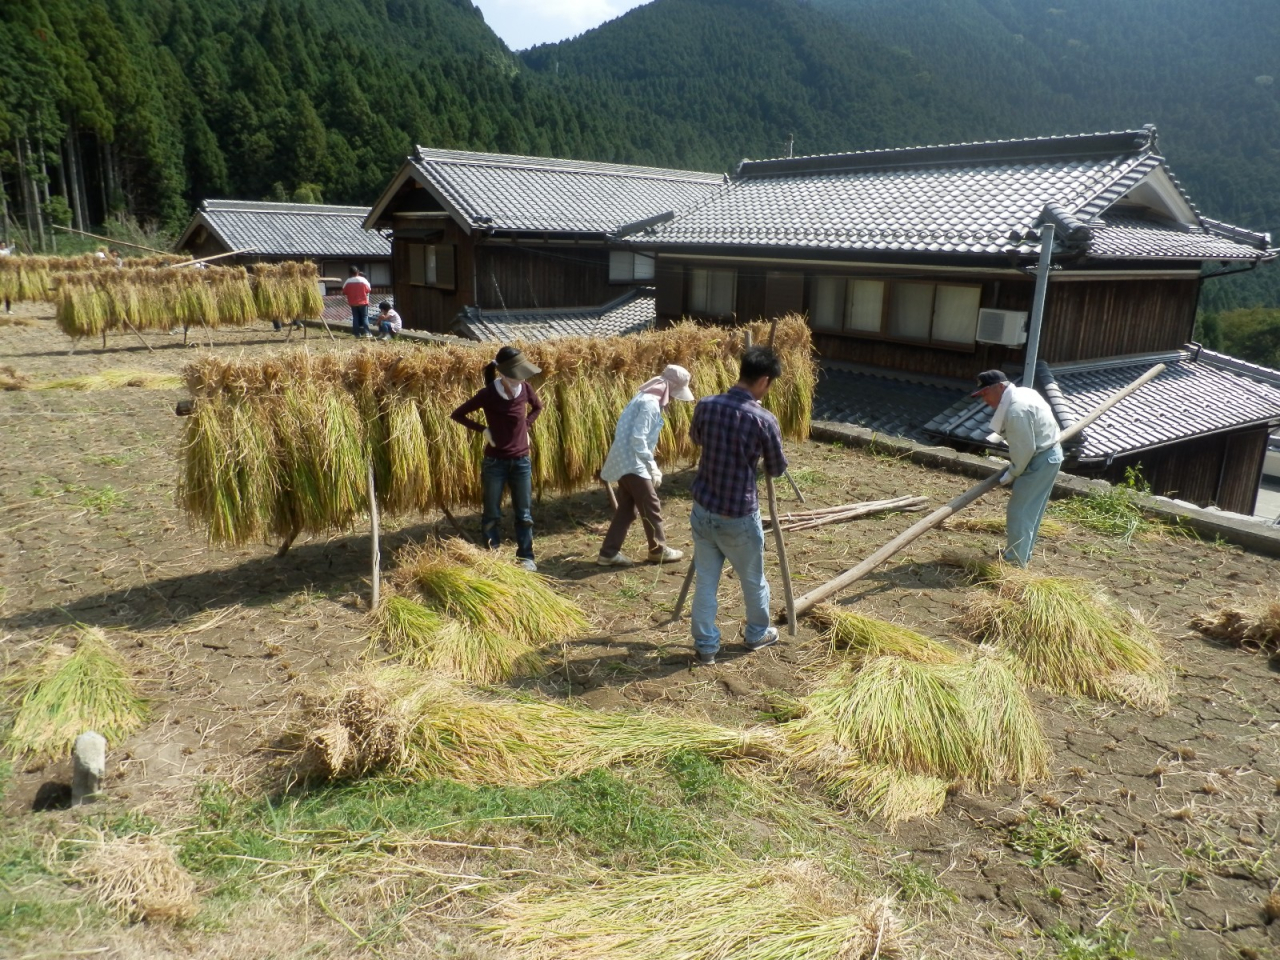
510	407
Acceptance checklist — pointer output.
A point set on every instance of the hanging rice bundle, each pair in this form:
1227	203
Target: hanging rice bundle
1254	628
65	692
139	877
432	462
288	291
1068	636
492	595
425	639
737	910
867	637
399	722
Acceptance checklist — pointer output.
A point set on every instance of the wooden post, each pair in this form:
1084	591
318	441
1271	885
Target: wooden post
138	335
684	592
782	556
813	597
374	545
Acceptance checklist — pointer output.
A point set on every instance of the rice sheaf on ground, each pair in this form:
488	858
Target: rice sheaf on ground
1154	836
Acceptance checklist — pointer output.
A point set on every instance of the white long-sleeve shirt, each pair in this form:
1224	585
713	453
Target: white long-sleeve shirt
635	441
1025	422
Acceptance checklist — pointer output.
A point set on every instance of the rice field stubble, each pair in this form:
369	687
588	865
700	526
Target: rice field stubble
1176	815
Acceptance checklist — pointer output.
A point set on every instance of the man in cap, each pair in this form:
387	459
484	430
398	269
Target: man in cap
735	433
631	464
1025	422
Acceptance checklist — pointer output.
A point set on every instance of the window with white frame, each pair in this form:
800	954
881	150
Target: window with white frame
711	292
942	313
628	267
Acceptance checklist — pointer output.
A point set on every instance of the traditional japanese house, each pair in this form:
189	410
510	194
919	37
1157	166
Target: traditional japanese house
331	236
479	235
916	266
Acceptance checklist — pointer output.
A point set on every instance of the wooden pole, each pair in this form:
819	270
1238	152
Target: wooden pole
814	597
374	546
612	497
684	592
139	336
123	243
782	556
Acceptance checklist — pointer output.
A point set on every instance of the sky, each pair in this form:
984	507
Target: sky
525	23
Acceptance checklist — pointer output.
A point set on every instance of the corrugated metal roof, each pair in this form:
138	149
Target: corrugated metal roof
981	198
290	229
1200	393
506	192
633	312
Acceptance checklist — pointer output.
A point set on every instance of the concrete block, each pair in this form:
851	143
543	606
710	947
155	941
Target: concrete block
88	766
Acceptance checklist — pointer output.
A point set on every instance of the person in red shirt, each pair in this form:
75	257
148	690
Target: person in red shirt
357	290
510	407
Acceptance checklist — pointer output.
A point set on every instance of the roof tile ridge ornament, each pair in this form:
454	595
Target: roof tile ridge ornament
1076	146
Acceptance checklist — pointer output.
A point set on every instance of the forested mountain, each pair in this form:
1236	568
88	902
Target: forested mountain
145	107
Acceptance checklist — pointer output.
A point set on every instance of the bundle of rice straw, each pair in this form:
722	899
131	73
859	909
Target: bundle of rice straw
865	637
399	722
64	692
1066	635
288	291
240	475
25	277
1254	628
138	877
785	910
97	302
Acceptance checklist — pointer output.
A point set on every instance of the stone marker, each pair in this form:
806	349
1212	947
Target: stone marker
88	766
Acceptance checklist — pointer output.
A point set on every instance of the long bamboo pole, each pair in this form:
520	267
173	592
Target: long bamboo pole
782	557
123	243
915	531
375	546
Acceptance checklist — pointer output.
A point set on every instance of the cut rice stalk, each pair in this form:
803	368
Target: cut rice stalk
1010	739
398	721
420	637
867	637
65	693
139	877
791	910
1254	627
1068	636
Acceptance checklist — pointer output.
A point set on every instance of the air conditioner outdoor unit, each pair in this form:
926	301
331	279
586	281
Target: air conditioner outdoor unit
1005	327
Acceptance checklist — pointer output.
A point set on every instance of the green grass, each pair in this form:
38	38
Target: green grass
1051	838
919	885
1104	942
1113	513
102	501
34	902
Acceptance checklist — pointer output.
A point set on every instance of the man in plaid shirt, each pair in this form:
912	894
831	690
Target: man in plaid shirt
735	433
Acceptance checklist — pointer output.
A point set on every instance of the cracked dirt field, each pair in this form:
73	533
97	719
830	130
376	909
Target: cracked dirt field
1156	836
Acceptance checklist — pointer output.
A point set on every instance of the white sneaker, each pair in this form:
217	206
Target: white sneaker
527	564
665	555
617	560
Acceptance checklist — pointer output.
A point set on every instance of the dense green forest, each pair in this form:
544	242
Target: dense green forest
138	109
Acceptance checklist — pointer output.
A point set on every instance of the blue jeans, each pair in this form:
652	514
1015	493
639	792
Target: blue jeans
495	474
740	540
1027	503
385	328
360	320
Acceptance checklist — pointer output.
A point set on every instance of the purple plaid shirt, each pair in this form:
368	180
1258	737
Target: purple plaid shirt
734	432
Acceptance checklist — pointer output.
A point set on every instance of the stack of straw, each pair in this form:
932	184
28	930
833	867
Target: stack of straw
139	877
486	617
287	291
915	715
398	722
63	693
1068	636
279	446
782	910
150	298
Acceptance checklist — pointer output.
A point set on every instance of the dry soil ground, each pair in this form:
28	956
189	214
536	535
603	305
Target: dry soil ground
1173	819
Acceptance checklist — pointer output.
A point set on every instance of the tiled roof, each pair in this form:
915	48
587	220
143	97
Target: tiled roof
981	198
290	229
502	192
630	313
898	406
1116	236
1201	392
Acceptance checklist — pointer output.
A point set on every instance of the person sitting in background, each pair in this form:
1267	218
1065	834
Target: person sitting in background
1025	421
389	322
356	288
632	466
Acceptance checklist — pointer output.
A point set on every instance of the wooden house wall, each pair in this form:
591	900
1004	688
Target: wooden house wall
1084	319
432	308
1222	470
539	275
